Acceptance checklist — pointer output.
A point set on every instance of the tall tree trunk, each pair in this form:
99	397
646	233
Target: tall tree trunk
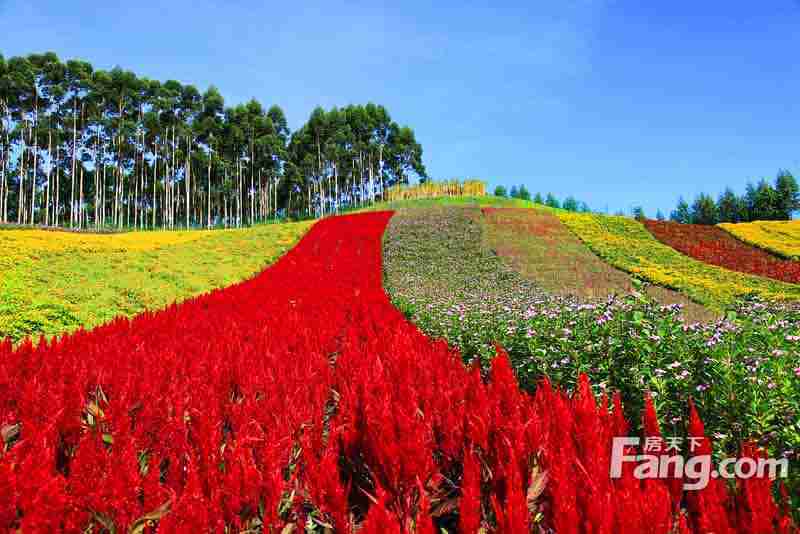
252	190
187	177
380	170
49	170
80	202
155	180
57	207
74	160
136	177
99	209
104	191
3	194
21	194
208	191
371	181
336	182
35	155
120	186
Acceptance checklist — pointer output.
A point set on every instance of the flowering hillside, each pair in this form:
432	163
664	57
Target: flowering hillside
779	237
711	244
626	244
302	399
741	369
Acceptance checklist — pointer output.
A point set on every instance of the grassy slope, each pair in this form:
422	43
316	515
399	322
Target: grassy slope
54	282
626	244
779	237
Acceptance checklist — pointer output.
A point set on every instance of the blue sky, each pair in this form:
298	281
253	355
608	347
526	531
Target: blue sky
615	102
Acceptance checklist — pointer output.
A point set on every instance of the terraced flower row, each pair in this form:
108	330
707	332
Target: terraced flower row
301	400
54	282
742	370
779	237
715	246
626	244
538	245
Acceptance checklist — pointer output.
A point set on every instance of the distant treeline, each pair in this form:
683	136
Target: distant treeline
760	202
88	148
521	192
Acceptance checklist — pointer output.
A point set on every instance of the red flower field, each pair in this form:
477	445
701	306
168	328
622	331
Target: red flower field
303	396
714	245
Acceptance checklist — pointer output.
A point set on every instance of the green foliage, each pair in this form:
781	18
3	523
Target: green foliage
761	202
500	191
681	214
704	210
788	195
728	207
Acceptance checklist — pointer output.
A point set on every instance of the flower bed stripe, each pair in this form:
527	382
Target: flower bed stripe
626	244
711	244
779	237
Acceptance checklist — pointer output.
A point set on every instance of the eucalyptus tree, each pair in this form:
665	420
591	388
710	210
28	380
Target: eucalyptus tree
85	147
190	106
78	81
359	147
21	103
405	155
54	90
274	165
210	124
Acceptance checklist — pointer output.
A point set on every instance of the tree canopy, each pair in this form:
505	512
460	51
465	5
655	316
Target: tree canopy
760	202
83	147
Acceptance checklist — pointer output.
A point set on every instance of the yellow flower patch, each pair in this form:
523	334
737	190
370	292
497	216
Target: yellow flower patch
55	282
779	237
